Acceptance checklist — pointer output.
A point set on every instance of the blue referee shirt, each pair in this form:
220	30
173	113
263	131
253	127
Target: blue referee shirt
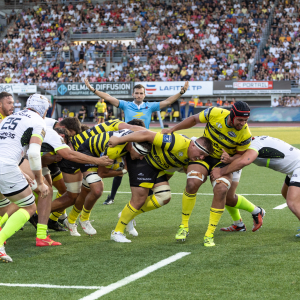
143	111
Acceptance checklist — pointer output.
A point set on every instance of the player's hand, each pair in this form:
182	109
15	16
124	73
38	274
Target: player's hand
184	88
113	141
215	174
58	158
166	131
44	190
225	158
88	85
29	180
104	161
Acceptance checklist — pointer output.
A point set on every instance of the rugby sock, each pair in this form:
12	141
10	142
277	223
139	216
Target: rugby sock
36	197
150	204
234	212
214	218
188	203
245	204
116	183
41	231
63	215
73	215
55	215
128	213
85	214
3	219
14	223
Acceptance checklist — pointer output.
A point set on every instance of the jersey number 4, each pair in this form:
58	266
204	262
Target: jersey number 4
11	123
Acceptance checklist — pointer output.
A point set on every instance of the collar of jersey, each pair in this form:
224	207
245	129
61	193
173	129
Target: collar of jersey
138	106
226	122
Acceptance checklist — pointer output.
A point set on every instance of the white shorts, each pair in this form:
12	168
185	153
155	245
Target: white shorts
12	180
295	178
236	176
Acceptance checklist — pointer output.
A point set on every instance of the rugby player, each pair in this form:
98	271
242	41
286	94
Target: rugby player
168	151
269	152
6	105
24	130
229	131
138	109
97	146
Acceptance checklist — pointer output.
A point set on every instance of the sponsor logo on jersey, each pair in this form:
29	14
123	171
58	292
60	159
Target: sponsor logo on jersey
180	154
219	125
144	178
206	112
139	115
232	134
167	138
141	174
43	133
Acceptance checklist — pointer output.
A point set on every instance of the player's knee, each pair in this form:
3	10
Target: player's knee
221	185
194	181
162	194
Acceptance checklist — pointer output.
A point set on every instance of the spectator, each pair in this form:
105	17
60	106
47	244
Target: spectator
208	103
182	108
65	113
81	114
17	106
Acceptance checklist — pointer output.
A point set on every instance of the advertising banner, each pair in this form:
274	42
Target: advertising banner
80	89
247	87
169	88
275	114
18	88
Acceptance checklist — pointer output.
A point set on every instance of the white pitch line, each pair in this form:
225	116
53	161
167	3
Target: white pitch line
135	276
206	194
50	286
281	206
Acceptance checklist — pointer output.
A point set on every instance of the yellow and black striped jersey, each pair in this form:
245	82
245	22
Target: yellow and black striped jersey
169	151
98	144
1	117
222	135
78	139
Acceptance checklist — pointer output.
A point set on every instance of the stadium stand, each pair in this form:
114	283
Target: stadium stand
173	41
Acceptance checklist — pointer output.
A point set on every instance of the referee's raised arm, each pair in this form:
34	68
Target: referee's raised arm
173	98
112	100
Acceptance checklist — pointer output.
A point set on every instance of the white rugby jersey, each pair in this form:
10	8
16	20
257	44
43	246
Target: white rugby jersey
275	154
15	133
50	122
52	142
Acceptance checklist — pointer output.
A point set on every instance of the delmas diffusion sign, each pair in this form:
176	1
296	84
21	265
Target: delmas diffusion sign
80	89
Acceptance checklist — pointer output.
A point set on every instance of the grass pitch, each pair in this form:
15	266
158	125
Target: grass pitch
246	265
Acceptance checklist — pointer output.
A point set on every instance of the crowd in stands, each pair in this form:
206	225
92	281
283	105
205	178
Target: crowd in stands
193	40
286	101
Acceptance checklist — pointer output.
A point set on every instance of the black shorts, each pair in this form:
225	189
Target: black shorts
100	114
54	170
209	163
142	174
84	148
287	180
80	115
69	167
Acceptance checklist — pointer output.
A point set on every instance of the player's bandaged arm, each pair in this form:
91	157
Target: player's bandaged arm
105	96
246	159
138	137
81	158
34	157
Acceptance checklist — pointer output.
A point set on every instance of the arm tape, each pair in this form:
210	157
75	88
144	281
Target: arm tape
34	156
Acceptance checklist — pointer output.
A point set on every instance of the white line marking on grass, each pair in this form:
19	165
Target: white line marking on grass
205	194
135	276
281	206
50	286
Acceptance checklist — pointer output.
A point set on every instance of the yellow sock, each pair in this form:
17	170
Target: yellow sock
128	213
36	197
244	204
188	203
55	215
58	195
234	213
3	219
73	215
150	204
85	214
214	218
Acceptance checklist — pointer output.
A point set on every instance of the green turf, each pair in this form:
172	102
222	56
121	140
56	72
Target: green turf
246	265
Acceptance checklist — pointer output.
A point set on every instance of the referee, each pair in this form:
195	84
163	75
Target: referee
137	109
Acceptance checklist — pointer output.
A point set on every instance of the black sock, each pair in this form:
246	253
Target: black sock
116	183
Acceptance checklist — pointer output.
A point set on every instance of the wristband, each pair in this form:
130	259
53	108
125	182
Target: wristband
124	171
